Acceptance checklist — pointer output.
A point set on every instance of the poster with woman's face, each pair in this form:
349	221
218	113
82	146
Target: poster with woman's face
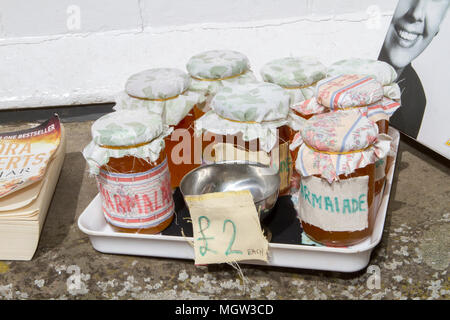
417	46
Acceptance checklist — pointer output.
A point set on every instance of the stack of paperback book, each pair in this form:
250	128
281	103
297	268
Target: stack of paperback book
30	163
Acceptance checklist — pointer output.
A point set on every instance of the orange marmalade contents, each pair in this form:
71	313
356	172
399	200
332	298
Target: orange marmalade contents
198	110
180	149
130	164
383	126
344	238
285	164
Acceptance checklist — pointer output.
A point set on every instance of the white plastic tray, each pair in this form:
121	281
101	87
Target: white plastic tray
350	259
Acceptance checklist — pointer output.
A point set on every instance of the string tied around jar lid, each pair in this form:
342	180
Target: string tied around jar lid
337	152
126	147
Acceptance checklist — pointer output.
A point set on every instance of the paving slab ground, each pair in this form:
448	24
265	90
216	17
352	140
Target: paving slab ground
412	259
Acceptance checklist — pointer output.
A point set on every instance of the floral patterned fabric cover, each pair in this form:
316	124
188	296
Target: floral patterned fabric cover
350	137
294	72
256	102
348	91
143	88
157	83
125	128
255	110
209	67
380	70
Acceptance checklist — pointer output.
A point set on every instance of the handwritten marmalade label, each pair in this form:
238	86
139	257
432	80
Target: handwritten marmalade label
226	228
285	164
339	206
25	154
140	200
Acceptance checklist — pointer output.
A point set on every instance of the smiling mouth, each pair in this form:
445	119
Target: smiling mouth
406	36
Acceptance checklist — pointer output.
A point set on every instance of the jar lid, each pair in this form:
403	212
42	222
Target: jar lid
291	72
126	128
157	83
343	131
254	102
338	143
217	64
348	91
379	70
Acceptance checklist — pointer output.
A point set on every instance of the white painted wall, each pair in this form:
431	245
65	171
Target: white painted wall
46	60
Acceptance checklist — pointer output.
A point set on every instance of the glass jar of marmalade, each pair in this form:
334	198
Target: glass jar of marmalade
353	91
164	91
128	160
298	77
336	161
249	123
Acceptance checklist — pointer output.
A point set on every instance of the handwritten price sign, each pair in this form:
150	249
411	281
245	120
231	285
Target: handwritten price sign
226	228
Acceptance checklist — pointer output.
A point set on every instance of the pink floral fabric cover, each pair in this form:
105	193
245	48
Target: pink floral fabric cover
338	132
348	91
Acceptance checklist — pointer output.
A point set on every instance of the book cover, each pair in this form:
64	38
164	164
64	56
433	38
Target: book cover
25	154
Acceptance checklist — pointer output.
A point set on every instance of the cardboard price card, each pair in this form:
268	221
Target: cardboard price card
226	228
25	154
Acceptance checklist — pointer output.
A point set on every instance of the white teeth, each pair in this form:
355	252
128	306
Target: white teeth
407	35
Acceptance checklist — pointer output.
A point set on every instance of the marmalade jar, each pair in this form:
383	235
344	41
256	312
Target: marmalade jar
164	91
212	70
128	160
248	123
354	91
298	76
336	161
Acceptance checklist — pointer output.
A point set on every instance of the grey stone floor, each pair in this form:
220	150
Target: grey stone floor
412	258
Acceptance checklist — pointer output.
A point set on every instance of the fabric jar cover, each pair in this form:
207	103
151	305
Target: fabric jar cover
162	91
298	75
338	143
141	133
212	70
255	110
380	70
356	91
